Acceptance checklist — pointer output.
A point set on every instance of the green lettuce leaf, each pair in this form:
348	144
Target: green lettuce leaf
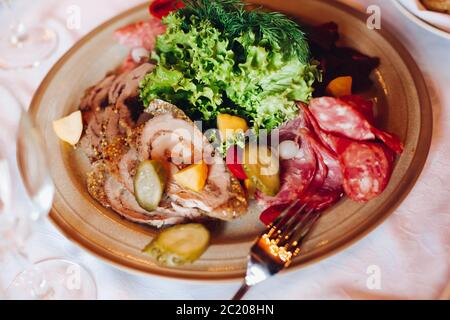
205	73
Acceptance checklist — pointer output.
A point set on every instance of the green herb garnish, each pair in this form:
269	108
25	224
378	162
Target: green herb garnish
273	29
217	57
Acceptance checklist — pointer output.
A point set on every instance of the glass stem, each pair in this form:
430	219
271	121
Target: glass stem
18	30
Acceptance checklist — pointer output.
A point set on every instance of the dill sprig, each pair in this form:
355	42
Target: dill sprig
231	17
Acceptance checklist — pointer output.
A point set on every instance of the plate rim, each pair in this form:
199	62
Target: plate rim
418	163
420	22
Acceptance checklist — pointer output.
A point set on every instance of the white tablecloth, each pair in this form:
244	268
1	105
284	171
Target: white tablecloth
410	250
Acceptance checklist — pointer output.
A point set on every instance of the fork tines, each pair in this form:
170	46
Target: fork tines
287	232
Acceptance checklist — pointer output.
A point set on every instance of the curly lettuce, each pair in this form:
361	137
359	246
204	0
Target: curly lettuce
205	73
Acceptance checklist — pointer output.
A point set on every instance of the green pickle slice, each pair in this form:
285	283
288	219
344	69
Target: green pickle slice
149	184
179	245
262	168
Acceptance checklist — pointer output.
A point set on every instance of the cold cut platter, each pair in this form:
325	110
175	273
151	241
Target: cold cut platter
178	130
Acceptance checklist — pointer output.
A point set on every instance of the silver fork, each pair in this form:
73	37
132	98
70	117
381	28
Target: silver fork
274	250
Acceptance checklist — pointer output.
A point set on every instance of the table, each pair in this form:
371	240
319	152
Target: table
407	257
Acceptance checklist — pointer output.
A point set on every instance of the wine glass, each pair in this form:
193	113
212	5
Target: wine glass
26	195
24	46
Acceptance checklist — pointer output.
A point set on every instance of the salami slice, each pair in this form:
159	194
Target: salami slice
325	138
336	116
362	105
366	108
366	168
391	141
339	117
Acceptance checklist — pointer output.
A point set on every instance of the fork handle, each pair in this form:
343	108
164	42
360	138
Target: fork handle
241	292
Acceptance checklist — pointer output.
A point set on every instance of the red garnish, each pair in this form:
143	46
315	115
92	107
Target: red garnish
234	162
161	8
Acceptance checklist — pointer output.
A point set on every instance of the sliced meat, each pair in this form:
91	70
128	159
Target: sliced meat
390	140
127	84
270	214
222	197
96	182
138	36
329	165
291	129
325	138
168	136
127	168
103	128
124	203
320	174
334	179
118	118
366	168
298	173
124	93
109	192
171	136
141	34
96	97
362	169
362	105
339	117
326	188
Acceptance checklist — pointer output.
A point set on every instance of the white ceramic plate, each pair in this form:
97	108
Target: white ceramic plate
403	107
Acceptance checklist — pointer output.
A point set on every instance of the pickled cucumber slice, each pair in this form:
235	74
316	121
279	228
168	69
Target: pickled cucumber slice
262	168
179	245
149	184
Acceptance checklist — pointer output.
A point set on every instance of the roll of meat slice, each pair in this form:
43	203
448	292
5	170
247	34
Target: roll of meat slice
172	137
110	193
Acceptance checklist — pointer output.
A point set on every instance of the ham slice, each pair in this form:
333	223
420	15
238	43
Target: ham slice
326	188
296	174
